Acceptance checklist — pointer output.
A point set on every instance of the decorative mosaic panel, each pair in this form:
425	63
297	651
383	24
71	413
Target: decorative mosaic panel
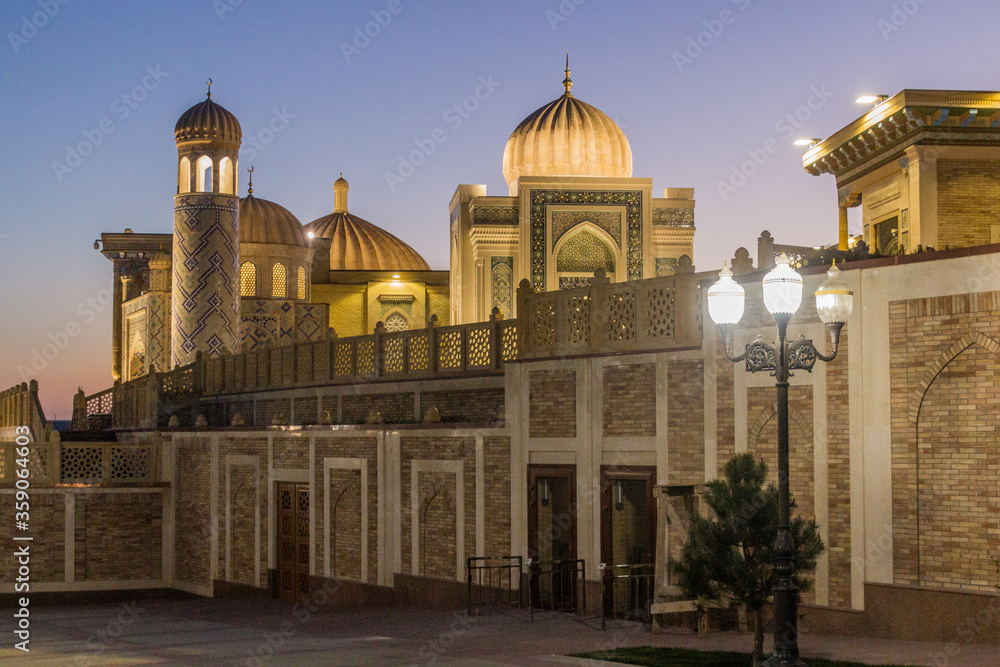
396	322
572	282
495	215
609	221
502	284
630	199
665	266
156	330
311	321
386	306
205	300
135	345
584	253
673	217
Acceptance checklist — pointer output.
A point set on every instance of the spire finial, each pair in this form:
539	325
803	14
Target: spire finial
250	187
567	82
341	173
209	82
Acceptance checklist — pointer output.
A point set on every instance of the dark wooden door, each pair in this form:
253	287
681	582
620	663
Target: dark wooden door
628	535
293	541
552	535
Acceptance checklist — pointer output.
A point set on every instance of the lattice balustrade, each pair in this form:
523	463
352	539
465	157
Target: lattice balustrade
578	319
100	404
393	359
344	358
621	315
131	463
82	465
658	312
178	382
479	348
419	351
366	356
542	323
321	361
508	341
449	350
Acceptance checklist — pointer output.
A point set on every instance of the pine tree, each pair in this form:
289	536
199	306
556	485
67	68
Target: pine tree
732	554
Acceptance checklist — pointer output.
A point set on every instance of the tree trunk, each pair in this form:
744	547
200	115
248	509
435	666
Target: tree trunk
758	637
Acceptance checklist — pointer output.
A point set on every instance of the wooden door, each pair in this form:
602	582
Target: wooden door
293	541
552	535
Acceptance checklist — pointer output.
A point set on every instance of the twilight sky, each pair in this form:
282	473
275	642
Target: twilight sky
91	92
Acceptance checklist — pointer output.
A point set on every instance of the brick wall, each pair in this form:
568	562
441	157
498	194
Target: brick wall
630	400
466	405
552	404
496	453
246	494
291	453
347	307
951	478
838	421
686	422
438	303
968	202
191	514
348	528
395	408
442	512
305	410
118	536
48	521
269	409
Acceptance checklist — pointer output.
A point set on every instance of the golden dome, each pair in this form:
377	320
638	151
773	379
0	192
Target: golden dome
566	137
358	245
263	221
208	121
160	262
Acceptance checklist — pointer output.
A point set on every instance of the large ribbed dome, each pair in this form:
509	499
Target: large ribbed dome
208	121
358	245
567	137
263	221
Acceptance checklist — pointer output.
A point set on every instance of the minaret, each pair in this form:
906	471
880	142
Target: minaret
205	295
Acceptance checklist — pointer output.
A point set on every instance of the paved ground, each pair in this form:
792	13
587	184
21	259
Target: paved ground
241	632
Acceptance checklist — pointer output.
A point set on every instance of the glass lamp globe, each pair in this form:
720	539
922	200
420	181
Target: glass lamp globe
834	298
782	288
725	299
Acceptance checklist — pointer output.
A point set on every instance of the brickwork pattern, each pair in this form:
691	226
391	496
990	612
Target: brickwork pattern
442	522
305	410
48	518
552	404
469	405
496	462
437	539
945	525
242	500
968	202
629	400
192	518
345	524
348	558
269	409
291	453
347	312
838	421
118	536
686	422
395	408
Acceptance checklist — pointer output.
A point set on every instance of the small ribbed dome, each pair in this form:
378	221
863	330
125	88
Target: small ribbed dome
567	137
358	245
160	262
263	221
208	121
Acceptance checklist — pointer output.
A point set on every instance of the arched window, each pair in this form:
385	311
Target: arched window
302	282
184	176
396	322
204	165
278	281
248	279
226	182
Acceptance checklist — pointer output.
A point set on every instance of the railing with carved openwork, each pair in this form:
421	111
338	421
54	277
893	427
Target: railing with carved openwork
107	463
657	313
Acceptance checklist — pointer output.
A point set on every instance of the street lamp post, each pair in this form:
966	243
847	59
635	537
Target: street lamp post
782	291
